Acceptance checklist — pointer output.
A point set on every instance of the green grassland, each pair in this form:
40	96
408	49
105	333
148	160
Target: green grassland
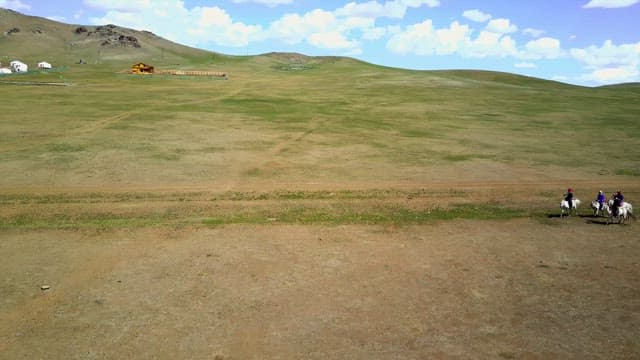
337	121
292	122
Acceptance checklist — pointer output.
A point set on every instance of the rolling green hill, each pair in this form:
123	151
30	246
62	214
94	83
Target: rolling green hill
288	119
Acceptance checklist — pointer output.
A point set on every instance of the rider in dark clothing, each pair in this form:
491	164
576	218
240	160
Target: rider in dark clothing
618	199
569	198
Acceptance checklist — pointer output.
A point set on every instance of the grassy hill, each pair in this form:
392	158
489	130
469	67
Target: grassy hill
34	39
292	121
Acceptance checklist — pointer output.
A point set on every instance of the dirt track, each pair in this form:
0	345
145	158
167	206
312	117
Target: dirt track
517	289
528	288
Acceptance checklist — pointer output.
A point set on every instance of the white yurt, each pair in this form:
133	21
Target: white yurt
44	65
19	66
5	71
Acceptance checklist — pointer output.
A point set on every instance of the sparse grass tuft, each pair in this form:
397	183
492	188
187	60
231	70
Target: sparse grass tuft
341	214
628	172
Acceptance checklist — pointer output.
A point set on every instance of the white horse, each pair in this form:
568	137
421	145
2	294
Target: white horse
595	206
622	215
564	207
625	211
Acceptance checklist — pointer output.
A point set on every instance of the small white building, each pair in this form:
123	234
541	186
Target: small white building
44	65
4	71
19	66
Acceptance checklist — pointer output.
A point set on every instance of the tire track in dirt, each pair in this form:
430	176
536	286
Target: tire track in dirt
271	155
101	124
556	185
282	146
112	119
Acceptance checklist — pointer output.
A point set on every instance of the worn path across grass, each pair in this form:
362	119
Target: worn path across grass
133	208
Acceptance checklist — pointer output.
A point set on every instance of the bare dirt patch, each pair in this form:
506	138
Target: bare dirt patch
457	289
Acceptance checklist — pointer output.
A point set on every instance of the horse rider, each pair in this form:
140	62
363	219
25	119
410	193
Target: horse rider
600	199
618	199
569	198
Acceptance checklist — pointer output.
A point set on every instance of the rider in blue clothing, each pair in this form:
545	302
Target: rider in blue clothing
600	199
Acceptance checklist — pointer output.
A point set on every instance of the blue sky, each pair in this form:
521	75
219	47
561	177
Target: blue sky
585	42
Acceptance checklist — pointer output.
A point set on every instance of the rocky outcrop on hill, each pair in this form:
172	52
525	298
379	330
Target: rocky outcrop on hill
110	35
122	41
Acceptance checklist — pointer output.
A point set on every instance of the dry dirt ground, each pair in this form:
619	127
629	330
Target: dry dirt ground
527	288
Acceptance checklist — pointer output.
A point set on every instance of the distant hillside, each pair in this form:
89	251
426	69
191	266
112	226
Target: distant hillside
33	39
624	86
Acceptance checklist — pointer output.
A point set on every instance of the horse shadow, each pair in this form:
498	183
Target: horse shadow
588	219
597	221
558	216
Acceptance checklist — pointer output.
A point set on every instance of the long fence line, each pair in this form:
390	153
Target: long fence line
191	73
170	77
182	74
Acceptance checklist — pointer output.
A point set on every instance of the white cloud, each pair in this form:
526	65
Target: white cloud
610	3
610	63
608	55
269	3
612	75
394	29
357	23
452	38
417	39
371	9
216	24
345	28
491	44
293	28
536	33
14	5
119	5
214	16
476	15
196	26
423	39
392	9
332	40
525	65
545	47
375	33
501	26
